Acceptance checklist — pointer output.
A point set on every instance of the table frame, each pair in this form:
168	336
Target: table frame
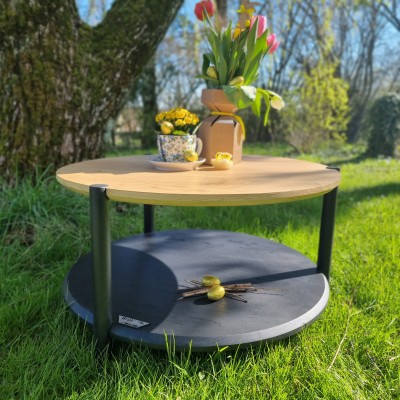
101	249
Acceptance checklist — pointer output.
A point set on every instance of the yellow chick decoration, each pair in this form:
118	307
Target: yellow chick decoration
222	160
191	156
223	156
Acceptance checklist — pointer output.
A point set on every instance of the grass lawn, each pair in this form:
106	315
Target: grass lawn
351	352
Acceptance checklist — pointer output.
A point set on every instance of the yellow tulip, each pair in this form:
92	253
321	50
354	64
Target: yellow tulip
212	72
237	81
236	33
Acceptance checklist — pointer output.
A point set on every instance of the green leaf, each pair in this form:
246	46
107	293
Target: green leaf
253	60
267	98
252	70
258	51
227	42
211	26
206	64
267	113
206	77
242	96
222	69
214	44
232	67
213	83
211	57
251	38
256	106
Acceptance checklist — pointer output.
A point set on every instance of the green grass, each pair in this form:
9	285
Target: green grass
352	352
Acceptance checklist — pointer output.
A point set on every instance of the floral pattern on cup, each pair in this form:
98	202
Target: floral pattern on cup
172	148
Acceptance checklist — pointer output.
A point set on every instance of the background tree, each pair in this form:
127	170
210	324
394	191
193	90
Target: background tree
359	33
62	80
364	51
318	111
384	126
147	88
282	71
391	11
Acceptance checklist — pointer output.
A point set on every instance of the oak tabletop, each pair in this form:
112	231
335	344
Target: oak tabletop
256	180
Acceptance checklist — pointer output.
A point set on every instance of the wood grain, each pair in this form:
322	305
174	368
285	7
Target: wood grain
256	180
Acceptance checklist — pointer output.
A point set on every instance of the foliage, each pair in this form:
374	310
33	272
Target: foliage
365	47
234	60
318	110
351	352
384	126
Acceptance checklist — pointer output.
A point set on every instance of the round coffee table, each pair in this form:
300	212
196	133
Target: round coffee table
129	289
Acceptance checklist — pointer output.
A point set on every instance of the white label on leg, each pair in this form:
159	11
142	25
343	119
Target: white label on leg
132	322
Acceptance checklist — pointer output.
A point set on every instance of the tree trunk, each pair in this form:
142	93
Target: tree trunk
62	80
148	93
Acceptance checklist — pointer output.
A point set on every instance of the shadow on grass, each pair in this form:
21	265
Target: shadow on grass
277	217
352	160
118	350
366	193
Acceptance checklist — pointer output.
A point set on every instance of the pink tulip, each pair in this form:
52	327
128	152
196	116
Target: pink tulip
272	43
262	24
205	6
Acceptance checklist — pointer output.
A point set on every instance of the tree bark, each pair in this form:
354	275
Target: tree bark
148	93
62	80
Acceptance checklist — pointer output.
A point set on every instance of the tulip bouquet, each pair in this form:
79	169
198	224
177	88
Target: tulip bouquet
236	54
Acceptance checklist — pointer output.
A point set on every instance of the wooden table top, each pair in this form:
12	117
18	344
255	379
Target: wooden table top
256	180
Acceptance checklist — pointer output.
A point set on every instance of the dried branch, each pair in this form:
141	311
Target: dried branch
231	290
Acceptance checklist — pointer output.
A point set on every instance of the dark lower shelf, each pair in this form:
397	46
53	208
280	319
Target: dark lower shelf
148	271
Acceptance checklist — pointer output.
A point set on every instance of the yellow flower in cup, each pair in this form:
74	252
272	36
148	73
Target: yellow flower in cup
177	120
180	113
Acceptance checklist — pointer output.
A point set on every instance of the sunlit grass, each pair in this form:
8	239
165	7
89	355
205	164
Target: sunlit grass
352	352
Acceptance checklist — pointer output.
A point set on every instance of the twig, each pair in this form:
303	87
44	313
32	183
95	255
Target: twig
196	292
230	290
240	287
341	342
193	282
235	297
349	315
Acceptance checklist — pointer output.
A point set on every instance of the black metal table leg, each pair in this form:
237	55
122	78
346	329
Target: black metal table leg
326	232
101	268
148	218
